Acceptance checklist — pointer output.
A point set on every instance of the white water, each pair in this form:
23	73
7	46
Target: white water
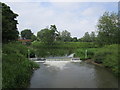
71	55
58	64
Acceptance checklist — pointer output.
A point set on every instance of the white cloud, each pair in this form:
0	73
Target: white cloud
69	16
93	11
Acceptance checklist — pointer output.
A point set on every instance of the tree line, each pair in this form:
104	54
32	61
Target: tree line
108	30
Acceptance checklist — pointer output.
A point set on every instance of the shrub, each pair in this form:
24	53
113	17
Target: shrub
81	53
108	55
17	69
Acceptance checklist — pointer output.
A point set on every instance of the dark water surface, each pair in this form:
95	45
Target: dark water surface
61	74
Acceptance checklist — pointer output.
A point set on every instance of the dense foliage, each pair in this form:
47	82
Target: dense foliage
26	34
88	37
108	29
46	36
107	56
59	48
17	69
9	24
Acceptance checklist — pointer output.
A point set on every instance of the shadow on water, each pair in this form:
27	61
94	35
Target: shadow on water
61	74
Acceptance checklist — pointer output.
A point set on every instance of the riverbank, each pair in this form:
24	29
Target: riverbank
92	62
16	67
106	56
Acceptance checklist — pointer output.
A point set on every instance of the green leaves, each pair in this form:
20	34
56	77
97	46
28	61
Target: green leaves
46	36
108	29
9	28
17	69
26	34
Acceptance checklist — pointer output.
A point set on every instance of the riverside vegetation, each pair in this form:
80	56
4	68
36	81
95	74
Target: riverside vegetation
108	56
17	69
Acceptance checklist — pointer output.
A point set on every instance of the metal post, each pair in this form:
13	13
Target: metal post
86	53
28	53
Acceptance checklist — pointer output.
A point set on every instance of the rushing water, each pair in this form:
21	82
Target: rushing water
65	74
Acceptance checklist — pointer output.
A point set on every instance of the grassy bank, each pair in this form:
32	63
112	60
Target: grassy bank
107	56
59	48
16	68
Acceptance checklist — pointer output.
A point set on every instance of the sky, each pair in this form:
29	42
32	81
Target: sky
75	17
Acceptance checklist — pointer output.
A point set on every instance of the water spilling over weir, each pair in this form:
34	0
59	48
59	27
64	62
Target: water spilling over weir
59	73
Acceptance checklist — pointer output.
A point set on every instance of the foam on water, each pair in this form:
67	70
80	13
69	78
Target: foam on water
58	64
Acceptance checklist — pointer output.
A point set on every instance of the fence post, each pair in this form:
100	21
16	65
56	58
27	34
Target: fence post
85	53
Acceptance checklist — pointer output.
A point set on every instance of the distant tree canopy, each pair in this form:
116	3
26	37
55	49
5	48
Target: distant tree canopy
93	36
74	39
47	36
108	29
65	36
33	37
26	34
88	37
9	24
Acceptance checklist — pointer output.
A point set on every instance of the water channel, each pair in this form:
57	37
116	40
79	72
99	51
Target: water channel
66	74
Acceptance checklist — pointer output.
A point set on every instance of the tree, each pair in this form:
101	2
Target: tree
26	34
57	33
92	36
33	37
53	27
86	37
46	36
108	29
74	39
9	24
65	36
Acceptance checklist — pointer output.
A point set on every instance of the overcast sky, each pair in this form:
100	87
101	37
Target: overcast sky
75	17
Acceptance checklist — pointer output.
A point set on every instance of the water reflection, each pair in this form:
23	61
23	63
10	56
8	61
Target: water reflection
105	78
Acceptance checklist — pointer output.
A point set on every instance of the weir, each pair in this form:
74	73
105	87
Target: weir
56	59
64	58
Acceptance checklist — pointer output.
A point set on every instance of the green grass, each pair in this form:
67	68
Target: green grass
59	48
108	56
65	45
16	68
81	53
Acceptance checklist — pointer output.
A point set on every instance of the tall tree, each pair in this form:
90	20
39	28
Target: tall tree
33	37
86	37
57	33
92	36
65	36
74	39
108	29
26	34
9	24
46	36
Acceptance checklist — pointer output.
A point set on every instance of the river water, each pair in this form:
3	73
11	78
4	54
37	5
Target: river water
66	74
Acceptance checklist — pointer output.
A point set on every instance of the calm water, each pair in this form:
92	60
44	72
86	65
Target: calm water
65	74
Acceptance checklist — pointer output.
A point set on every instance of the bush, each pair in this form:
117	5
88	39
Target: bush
107	56
100	55
59	48
17	69
81	53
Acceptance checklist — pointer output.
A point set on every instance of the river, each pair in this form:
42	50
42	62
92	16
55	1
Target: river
66	74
